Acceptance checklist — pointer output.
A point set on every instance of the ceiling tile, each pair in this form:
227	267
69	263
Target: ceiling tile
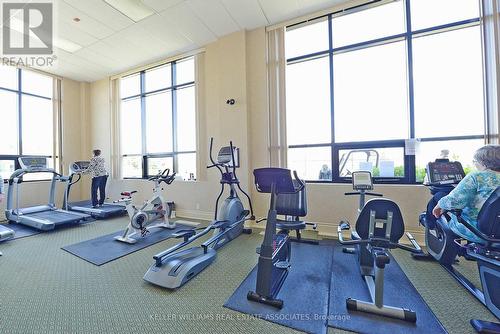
279	10
188	24
89	25
161	5
73	34
310	6
91	55
162	29
247	13
101	11
214	15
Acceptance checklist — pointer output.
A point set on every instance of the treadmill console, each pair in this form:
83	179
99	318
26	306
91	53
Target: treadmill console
225	158
442	172
78	166
362	180
33	162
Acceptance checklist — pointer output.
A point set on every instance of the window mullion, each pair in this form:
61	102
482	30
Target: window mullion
143	125
19	114
175	161
334	157
411	168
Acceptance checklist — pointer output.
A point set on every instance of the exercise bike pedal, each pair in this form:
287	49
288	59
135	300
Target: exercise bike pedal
349	250
282	264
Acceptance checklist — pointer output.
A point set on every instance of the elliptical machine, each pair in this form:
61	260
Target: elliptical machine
173	268
153	213
275	251
379	227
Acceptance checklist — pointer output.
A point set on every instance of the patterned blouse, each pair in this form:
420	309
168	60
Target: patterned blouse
96	167
469	196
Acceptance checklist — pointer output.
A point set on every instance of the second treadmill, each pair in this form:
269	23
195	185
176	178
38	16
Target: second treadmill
107	210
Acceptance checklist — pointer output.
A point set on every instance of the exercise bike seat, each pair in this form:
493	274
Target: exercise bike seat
290	225
128	193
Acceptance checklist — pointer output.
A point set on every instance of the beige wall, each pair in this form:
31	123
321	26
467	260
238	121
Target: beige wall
74	96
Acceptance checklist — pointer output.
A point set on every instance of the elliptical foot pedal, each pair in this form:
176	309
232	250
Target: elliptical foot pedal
485	327
282	264
255	297
349	250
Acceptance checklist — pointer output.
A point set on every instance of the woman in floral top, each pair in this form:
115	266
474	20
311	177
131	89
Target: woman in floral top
471	193
99	178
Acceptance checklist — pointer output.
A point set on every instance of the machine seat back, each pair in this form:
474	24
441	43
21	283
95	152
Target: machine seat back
488	220
381	207
292	204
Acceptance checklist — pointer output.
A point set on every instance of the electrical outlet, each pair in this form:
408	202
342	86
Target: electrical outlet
197	206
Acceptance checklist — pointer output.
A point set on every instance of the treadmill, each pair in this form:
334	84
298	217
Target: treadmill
5	233
42	217
107	210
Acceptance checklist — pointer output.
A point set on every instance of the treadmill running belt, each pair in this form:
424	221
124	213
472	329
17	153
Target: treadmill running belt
105	211
55	216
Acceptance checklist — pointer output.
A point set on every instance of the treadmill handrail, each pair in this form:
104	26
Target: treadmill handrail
20	172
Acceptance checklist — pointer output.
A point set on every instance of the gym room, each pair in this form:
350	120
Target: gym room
250	166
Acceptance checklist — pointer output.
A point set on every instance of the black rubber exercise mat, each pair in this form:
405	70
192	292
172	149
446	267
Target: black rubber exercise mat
398	291
22	231
305	291
105	249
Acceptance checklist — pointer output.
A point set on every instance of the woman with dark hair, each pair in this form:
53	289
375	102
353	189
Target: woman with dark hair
99	178
471	193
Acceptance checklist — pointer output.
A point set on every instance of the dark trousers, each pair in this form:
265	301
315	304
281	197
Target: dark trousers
430	220
98	184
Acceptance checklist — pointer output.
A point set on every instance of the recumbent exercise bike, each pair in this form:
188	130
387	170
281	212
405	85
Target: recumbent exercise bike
445	246
379	227
288	198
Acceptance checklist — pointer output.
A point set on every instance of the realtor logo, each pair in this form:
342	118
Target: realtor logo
27	28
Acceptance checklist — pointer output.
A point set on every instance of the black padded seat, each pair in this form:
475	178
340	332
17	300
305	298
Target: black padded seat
381	207
488	218
293	205
290	225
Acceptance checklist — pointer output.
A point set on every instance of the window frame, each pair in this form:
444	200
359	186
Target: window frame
19	95
407	36
173	88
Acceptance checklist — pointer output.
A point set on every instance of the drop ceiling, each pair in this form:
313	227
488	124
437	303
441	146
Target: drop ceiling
111	43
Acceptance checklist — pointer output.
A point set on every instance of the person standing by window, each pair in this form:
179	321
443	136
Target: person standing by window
99	175
325	173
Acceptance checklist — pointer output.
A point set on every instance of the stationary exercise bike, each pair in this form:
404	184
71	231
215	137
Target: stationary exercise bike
444	246
275	251
174	267
154	213
379	227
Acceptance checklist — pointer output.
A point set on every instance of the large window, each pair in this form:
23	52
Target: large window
158	121
27	118
366	86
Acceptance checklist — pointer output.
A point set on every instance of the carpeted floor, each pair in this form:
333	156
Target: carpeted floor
44	289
